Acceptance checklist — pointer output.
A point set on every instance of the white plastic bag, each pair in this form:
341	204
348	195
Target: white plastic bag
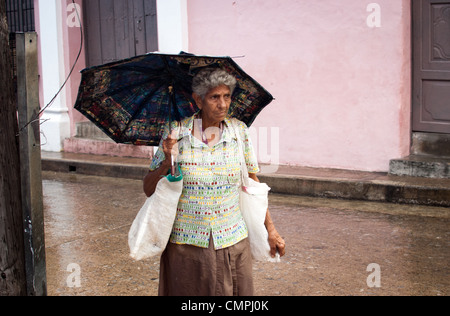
254	205
254	202
151	229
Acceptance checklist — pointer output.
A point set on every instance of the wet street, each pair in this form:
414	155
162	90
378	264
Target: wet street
334	247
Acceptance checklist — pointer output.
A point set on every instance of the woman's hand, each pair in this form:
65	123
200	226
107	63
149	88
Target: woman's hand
276	243
170	147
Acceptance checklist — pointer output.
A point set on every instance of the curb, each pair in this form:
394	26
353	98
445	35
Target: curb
392	192
363	186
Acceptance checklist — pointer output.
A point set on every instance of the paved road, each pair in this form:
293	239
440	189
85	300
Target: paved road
331	244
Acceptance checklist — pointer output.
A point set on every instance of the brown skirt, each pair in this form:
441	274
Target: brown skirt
192	271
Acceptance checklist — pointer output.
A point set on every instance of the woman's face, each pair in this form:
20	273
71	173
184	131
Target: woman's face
216	104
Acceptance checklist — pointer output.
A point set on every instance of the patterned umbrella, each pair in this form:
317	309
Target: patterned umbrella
133	99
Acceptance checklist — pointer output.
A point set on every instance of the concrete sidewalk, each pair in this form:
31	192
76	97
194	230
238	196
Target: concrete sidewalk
328	183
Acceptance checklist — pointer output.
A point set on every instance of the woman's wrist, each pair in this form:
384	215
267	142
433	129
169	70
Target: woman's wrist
166	163
270	228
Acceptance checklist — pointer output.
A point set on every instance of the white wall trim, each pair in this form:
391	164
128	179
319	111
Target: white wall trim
173	35
56	127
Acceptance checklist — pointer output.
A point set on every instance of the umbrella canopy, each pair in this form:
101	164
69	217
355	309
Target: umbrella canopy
133	99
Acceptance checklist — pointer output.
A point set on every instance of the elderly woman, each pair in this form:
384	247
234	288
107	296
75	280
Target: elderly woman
209	252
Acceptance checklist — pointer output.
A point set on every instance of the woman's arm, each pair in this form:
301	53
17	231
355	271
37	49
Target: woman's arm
276	243
152	178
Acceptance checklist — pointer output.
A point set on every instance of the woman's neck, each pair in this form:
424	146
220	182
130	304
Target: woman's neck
208	136
206	123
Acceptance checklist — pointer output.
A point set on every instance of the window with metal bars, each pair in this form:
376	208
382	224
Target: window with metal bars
20	14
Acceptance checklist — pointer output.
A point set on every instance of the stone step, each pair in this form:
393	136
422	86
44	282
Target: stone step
421	166
431	144
89	131
89	139
106	147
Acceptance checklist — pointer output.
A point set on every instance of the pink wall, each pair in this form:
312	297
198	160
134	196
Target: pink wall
342	88
72	42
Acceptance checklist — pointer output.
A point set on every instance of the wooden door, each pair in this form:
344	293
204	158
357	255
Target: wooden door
431	69
118	29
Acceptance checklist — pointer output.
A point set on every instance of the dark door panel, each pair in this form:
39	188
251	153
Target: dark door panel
118	29
431	69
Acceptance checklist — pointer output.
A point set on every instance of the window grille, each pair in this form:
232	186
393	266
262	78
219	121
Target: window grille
20	14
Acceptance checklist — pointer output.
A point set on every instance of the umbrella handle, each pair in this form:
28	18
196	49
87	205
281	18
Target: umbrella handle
172	167
171	103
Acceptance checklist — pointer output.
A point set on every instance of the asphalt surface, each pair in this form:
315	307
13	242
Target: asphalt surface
334	247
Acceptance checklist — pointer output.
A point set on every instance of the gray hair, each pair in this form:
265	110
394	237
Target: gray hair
210	78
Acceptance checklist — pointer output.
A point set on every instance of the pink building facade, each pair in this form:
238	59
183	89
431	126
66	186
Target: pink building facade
340	72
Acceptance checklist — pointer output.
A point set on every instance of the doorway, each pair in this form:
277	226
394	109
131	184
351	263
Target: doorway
116	30
430	145
431	66
119	29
